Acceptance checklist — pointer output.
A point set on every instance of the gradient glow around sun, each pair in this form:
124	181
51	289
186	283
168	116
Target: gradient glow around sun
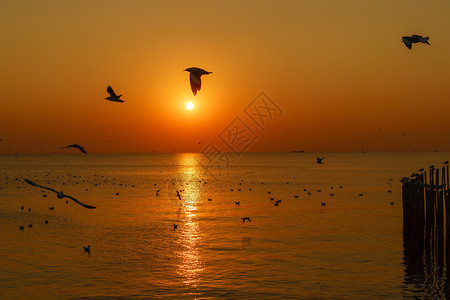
189	105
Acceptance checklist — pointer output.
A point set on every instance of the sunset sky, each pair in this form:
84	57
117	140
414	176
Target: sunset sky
337	70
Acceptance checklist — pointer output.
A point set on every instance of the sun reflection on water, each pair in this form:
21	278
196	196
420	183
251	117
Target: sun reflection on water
190	263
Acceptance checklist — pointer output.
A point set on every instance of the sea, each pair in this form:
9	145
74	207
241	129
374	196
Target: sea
170	226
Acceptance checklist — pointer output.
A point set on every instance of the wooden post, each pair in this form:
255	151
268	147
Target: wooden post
444	182
448	186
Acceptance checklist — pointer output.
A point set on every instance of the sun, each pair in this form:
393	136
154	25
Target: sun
189	105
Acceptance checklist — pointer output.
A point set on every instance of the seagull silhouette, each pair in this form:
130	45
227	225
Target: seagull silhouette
87	249
60	195
246	218
409	40
75	146
112	96
195	75
319	160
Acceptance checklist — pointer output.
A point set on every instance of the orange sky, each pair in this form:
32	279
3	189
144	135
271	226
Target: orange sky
337	69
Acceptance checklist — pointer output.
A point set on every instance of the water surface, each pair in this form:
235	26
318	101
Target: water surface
350	248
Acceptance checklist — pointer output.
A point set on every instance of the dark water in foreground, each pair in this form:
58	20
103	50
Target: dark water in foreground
350	248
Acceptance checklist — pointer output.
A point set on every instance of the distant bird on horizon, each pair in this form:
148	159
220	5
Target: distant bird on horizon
175	226
195	75
87	249
409	40
75	146
244	219
112	96
319	160
60	194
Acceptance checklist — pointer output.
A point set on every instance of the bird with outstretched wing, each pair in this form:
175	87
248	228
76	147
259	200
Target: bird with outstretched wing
60	195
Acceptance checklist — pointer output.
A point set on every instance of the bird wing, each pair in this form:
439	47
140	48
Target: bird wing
74	146
407	41
196	82
111	91
40	186
81	203
81	149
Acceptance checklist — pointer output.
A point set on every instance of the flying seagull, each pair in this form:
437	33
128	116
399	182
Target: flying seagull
319	160
87	249
60	195
409	40
195	78
75	146
112	96
246	218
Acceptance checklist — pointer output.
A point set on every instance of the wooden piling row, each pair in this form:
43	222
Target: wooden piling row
426	213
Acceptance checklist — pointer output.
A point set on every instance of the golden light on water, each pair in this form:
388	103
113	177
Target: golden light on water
190	235
189	106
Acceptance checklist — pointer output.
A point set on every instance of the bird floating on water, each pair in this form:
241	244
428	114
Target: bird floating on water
195	75
319	160
75	146
60	194
409	40
244	219
112	96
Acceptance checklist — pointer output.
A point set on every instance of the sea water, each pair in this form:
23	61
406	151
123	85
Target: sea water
348	247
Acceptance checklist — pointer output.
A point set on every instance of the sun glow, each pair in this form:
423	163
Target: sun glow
189	105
